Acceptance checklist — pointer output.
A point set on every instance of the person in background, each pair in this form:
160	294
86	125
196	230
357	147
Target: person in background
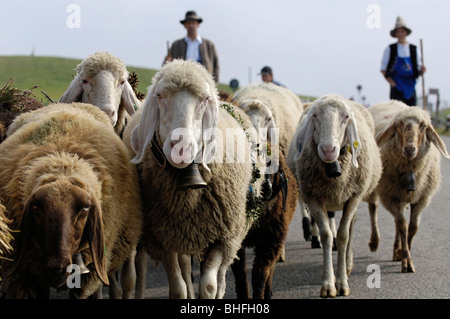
401	65
267	76
194	47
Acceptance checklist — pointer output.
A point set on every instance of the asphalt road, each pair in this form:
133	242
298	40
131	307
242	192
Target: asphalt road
299	276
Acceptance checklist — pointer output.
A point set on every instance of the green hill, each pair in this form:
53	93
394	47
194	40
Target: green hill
52	74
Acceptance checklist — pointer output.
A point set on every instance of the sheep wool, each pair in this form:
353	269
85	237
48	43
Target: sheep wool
68	142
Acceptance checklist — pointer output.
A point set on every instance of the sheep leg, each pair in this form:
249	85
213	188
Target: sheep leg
221	281
397	254
343	242
186	271
332	220
260	275
239	269
375	235
177	286
349	253
315	238
401	226
128	276
141	272
416	210
208	279
268	289
319	214
115	291
306	220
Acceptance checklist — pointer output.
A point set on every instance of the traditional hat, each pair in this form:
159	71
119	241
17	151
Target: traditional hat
191	15
400	23
266	70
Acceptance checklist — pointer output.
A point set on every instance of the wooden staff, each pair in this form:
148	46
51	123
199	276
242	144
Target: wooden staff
424	97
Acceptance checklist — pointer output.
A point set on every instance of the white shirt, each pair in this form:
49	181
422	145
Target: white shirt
192	51
402	52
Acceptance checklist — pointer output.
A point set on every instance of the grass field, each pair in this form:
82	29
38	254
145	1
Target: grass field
53	75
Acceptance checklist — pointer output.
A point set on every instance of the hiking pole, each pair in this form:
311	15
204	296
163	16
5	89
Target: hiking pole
424	97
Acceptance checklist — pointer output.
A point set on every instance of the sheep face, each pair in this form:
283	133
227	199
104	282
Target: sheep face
331	123
182	107
413	132
104	91
180	128
102	81
59	217
261	117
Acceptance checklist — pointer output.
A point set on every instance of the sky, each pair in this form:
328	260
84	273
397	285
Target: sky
314	47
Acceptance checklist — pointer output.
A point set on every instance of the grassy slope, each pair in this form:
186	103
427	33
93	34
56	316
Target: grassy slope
53	74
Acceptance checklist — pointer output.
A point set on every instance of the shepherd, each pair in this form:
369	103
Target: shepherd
401	65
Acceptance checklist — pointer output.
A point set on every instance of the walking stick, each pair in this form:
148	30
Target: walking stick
424	97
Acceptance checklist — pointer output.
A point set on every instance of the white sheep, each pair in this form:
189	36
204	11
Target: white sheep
69	188
285	109
181	122
409	148
335	131
102	81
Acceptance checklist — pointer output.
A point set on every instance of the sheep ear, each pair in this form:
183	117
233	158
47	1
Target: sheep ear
73	91
129	99
210	123
142	134
385	135
271	130
437	141
304	134
27	227
353	138
94	226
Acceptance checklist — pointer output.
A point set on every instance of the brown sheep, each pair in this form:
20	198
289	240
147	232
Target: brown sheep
68	186
268	235
411	153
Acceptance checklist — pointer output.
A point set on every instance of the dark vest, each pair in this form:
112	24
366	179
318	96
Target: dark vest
393	57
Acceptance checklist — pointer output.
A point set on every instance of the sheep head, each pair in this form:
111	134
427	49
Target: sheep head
182	107
412	131
261	117
59	217
102	81
331	123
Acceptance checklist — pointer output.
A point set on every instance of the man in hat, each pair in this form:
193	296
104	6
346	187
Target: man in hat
267	76
401	65
194	47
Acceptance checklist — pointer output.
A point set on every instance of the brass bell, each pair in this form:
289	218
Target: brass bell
79	261
190	177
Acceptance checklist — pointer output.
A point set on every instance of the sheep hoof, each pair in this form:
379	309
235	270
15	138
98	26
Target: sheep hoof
342	288
315	243
328	291
373	245
344	292
408	268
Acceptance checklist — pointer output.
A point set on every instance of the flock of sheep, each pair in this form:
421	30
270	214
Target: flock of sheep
100	177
